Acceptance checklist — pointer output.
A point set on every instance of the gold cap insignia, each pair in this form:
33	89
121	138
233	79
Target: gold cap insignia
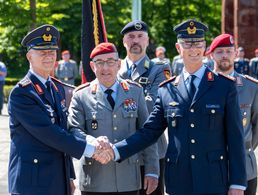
191	29
47	38
48	29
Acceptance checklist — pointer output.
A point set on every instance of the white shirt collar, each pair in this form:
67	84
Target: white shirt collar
199	73
130	62
113	87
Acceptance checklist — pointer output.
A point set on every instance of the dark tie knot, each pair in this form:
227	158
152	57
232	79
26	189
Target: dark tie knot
192	77
48	84
109	91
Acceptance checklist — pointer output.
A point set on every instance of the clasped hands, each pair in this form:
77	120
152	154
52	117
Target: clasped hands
103	150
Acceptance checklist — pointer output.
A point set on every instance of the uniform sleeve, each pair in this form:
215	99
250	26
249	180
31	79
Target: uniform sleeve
235	139
25	110
254	119
146	136
150	154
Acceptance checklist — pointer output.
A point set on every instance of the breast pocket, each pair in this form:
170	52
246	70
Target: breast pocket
130	120
214	116
174	116
94	121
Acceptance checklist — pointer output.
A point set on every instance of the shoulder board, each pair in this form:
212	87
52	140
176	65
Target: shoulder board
62	83
24	82
227	76
81	86
251	79
133	83
167	81
125	85
56	80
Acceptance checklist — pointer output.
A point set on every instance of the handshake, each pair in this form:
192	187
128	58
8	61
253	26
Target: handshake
103	150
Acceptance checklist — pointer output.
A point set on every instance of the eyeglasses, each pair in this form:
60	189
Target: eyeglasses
188	45
109	62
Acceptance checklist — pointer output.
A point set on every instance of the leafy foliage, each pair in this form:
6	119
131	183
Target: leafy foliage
16	19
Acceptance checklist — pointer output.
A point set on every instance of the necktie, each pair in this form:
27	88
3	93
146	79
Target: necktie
192	88
131	70
49	90
110	98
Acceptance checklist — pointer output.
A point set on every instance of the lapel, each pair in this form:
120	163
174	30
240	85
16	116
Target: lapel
141	68
183	92
121	94
58	100
99	94
204	85
123	72
40	88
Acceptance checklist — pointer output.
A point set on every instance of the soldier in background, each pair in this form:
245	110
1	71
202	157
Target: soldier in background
67	69
160	56
223	53
254	65
241	64
138	67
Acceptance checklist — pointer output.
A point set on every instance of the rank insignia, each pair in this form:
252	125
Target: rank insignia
173	103
167	74
38	89
53	120
191	29
210	76
130	105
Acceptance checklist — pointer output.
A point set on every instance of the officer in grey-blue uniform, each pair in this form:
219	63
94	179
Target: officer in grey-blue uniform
41	146
206	152
93	114
138	67
177	66
222	50
254	65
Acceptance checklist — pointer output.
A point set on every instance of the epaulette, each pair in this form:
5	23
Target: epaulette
251	79
81	86
167	81
227	76
62	83
24	82
133	83
125	85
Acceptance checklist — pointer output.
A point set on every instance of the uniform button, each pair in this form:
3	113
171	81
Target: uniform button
213	111
192	156
168	159
173	114
114	116
192	141
249	149
192	110
115	140
35	160
221	157
245	113
192	125
137	160
89	163
131	115
115	128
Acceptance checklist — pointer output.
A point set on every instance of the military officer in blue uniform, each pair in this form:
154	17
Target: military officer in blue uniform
206	152
223	53
241	63
138	67
41	147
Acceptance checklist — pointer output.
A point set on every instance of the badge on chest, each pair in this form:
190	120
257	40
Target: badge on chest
51	113
94	122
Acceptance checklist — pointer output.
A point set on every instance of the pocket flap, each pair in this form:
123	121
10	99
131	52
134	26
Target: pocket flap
213	111
174	113
94	115
129	114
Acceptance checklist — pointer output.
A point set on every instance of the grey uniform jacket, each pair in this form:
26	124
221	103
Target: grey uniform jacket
156	73
247	89
67	71
91	112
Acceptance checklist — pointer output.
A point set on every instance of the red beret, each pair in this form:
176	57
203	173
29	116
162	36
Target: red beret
103	48
223	40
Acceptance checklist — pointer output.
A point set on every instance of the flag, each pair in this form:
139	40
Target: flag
93	33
